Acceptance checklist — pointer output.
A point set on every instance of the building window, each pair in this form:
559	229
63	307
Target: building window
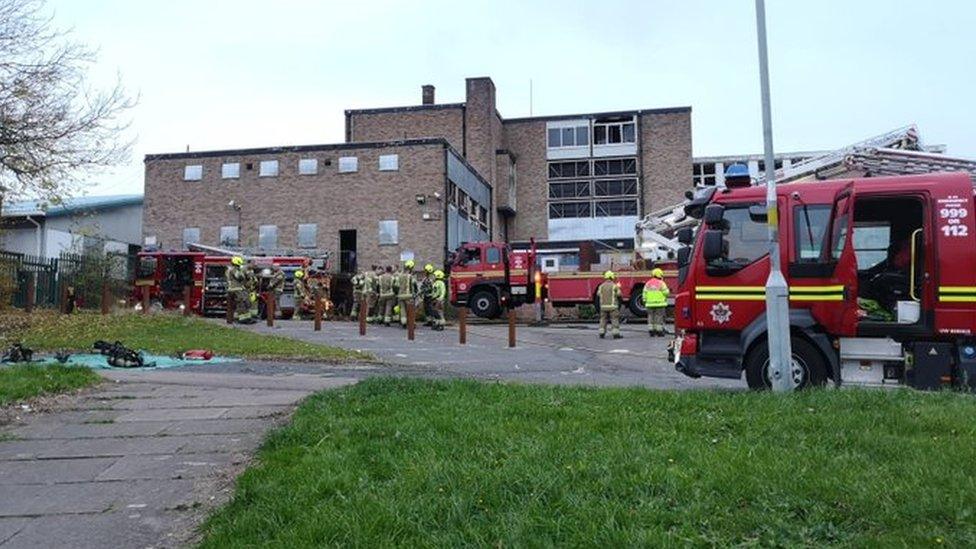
559	170
389	232
193	173
229	235
569	189
559	210
462	203
483	218
306	235
613	131
191	235
348	164
268	168
571	136
704	174
615	187
614	208
268	237
389	162
618	166
308	166
230	170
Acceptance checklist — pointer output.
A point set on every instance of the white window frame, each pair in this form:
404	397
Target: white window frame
186	242
264	168
262	246
303	168
389	162
237	236
389	232
230	170
348	164
562	125
606	128
315	235
193	172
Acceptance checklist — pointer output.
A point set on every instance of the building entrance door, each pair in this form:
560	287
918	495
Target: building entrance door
347	251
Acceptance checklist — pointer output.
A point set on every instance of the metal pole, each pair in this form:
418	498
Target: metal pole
511	327
777	291
411	319
269	308
362	313
318	312
463	325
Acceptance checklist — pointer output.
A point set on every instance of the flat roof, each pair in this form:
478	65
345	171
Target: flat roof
299	148
381	110
68	206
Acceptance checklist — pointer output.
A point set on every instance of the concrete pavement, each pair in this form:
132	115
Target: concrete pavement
138	461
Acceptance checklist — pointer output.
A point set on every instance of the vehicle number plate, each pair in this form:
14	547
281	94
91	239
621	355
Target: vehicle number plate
520	290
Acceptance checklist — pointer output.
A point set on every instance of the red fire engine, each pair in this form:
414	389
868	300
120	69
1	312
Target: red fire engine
882	276
487	276
167	274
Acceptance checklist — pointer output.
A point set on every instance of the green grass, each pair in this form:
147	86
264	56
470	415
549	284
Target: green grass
23	381
167	333
420	463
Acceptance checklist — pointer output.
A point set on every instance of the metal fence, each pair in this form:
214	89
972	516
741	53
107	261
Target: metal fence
81	278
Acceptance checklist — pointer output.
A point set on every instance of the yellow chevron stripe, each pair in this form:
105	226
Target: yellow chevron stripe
730	297
730	289
824	297
957	299
957	289
800	289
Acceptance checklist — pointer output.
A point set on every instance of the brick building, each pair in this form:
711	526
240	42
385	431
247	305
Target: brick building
463	173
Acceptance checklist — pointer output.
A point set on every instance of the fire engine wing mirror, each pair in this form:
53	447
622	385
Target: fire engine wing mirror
757	213
713	245
714	214
685	235
684	256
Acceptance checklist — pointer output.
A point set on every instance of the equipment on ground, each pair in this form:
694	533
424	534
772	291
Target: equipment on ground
18	353
882	283
120	356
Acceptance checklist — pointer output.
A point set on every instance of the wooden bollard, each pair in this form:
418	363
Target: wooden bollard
31	293
106	297
463	325
269	308
187	299
363	311
411	319
511	327
318	312
230	306
145	300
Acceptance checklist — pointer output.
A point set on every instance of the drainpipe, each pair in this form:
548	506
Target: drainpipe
37	235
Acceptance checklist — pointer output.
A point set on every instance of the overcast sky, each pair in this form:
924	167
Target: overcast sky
228	74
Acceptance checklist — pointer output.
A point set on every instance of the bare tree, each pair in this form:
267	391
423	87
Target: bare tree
54	128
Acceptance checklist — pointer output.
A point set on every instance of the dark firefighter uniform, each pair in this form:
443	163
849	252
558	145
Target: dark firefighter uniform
609	297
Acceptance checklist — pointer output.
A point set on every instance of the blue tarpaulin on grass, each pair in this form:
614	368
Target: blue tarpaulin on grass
92	360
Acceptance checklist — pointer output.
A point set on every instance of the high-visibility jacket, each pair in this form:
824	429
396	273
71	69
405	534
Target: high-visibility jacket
239	277
609	295
369	283
656	294
406	285
358	283
385	284
438	290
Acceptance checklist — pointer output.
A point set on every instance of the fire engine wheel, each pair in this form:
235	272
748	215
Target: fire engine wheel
636	303
485	304
809	369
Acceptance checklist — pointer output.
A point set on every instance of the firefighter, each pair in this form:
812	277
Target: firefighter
426	290
386	295
438	294
302	292
406	285
276	284
240	288
655	301
358	285
371	292
608	294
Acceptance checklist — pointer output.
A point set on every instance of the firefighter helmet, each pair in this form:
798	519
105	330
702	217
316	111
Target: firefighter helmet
408	264
299	273
237	260
657	273
428	268
609	275
439	274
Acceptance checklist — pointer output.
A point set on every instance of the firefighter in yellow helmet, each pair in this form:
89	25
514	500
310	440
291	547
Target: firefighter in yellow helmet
386	290
303	294
406	285
608	294
655	301
426	291
240	290
438	294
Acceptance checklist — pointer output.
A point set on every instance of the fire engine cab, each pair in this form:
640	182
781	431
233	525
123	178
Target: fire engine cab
881	273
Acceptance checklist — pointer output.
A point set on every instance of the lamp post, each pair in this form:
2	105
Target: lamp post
777	290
